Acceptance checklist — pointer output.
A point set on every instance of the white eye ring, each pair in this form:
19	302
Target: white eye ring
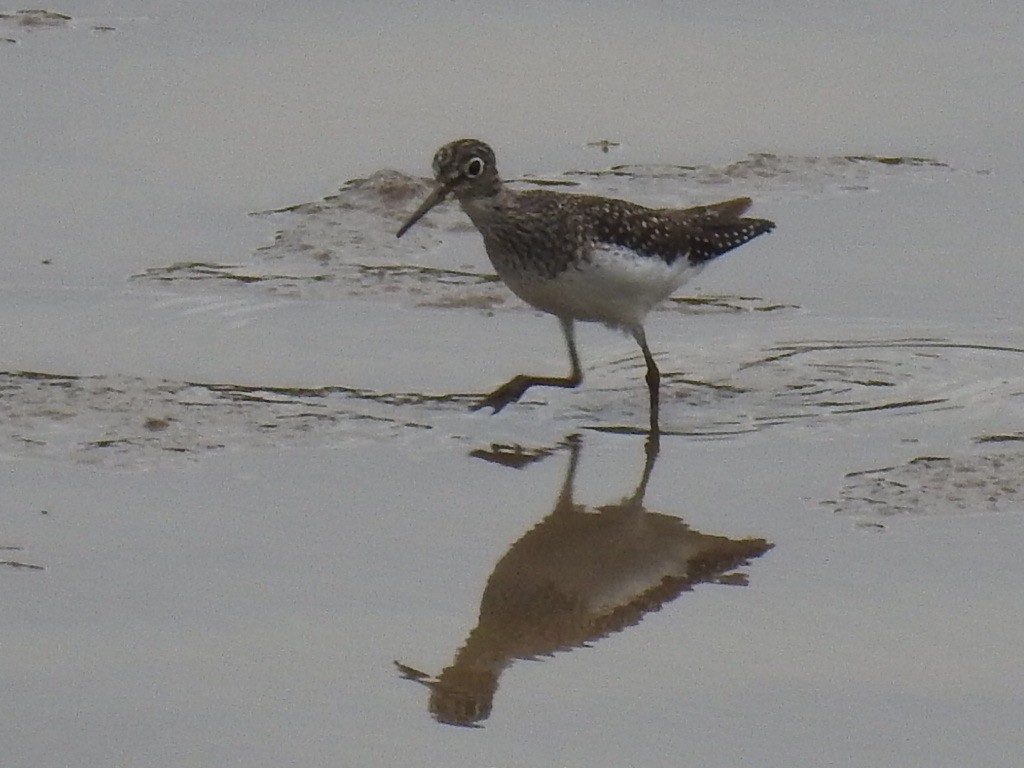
474	167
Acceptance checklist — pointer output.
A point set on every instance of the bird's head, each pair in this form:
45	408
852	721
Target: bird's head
465	168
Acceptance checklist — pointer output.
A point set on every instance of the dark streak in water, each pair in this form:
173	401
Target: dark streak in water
19	564
246	393
891	406
1001	438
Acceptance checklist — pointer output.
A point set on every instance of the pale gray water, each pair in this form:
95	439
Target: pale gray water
244	463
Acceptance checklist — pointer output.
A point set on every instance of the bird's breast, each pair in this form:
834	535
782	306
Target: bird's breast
614	286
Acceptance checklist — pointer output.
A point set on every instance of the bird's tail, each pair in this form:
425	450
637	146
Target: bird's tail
717	228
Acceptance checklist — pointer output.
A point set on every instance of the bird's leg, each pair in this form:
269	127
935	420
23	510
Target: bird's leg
564	505
653	379
514	388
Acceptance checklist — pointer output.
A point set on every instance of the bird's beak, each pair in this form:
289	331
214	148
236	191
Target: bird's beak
437	196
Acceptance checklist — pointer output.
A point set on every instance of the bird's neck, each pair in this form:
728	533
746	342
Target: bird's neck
482	209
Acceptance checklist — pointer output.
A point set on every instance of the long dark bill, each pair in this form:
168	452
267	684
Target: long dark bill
437	196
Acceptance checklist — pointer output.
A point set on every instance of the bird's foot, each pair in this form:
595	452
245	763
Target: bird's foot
509	392
514	388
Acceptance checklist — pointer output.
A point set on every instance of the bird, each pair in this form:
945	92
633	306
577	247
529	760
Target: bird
583	257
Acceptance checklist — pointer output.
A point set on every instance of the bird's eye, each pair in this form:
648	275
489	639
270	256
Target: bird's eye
474	167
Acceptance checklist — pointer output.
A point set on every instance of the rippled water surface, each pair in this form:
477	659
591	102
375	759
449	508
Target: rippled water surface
249	517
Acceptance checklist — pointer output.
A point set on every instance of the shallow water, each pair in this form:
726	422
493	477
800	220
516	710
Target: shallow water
241	479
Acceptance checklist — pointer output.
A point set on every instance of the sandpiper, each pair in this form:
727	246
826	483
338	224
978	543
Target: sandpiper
583	257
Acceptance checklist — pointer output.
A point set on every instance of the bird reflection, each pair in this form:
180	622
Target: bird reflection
579	575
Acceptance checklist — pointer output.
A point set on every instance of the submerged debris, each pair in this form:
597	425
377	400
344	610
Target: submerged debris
344	244
122	419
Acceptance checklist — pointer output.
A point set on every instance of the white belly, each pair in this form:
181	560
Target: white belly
616	287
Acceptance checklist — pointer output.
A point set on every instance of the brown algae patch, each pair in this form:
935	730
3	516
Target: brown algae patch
766	165
935	485
123	420
34	19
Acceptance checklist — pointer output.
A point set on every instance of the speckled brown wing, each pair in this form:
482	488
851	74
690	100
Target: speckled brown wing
698	234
